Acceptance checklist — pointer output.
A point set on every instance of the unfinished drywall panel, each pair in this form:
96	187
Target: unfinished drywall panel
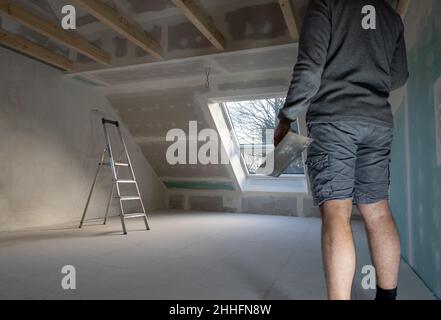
156	154
399	179
421	225
271	58
45	6
212	200
176	202
253	84
150	118
437	107
276	205
223	68
256	203
41	7
184	36
256	22
207	203
166	70
54	142
309	209
154	115
143	6
120	46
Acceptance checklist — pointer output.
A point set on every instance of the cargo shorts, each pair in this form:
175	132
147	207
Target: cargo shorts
349	160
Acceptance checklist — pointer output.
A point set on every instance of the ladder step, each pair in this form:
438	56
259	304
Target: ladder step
126	181
130	198
134	215
119	164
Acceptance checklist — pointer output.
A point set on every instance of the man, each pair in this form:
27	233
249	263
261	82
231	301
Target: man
351	55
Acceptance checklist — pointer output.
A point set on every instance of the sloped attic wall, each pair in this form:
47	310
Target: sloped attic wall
416	175
52	140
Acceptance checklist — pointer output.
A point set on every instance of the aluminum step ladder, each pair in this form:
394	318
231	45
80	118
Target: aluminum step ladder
108	159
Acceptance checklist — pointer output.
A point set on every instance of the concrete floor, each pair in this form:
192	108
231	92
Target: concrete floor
184	256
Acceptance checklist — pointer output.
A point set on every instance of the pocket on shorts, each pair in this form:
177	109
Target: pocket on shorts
317	162
318	171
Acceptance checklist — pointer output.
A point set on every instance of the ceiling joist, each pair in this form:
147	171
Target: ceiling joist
290	18
202	22
403	6
34	50
118	22
53	31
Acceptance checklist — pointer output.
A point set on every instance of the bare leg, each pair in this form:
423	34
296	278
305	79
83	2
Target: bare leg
384	242
338	248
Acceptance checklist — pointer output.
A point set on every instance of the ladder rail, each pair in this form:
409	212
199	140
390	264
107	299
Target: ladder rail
112	166
110	151
92	188
129	161
109	202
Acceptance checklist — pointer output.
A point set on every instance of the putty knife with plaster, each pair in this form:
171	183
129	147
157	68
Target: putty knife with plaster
288	151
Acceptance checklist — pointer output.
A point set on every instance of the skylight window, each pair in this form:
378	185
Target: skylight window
254	122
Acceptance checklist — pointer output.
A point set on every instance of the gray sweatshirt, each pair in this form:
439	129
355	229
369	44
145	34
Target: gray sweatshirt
346	68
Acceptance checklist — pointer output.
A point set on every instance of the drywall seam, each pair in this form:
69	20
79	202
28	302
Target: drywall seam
437	99
408	178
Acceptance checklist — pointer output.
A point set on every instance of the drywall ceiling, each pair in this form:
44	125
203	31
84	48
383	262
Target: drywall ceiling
233	64
154	72
245	24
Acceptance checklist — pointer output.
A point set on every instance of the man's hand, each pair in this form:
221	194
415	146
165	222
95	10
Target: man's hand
281	131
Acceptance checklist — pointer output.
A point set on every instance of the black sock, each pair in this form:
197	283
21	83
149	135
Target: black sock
386	295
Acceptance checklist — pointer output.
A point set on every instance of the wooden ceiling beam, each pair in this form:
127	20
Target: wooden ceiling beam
202	22
290	18
34	50
53	31
403	6
118	22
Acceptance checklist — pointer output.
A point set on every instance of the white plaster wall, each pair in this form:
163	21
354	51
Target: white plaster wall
51	141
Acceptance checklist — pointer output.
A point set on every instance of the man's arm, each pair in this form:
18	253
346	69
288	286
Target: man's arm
399	68
313	50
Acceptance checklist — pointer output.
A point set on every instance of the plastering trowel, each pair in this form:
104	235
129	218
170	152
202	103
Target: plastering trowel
288	151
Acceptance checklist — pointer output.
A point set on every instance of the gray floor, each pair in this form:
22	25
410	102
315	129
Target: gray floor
185	256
